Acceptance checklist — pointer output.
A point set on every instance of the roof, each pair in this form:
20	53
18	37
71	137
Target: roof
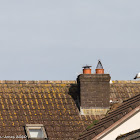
123	90
51	103
131	135
114	116
41	102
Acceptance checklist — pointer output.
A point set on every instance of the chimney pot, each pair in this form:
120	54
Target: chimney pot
86	69
99	68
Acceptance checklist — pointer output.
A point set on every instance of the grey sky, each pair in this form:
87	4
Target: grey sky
53	39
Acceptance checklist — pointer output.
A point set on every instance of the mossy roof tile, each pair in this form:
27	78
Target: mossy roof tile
50	103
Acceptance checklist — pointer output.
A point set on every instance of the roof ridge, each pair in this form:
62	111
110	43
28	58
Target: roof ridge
36	81
125	81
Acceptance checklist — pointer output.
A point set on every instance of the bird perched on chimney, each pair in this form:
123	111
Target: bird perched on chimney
137	76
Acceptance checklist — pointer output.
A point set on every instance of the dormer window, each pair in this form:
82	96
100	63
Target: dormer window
35	131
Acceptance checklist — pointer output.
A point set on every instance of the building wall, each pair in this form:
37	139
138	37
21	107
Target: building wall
131	124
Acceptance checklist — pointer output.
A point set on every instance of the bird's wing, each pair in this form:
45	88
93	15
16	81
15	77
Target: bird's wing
136	76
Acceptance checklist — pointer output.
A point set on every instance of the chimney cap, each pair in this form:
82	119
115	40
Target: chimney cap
86	67
99	65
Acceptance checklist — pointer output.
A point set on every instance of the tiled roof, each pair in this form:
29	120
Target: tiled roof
111	118
134	135
123	90
51	103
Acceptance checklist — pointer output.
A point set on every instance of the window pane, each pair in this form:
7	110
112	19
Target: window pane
36	133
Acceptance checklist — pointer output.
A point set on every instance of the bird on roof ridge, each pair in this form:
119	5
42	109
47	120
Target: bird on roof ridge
137	76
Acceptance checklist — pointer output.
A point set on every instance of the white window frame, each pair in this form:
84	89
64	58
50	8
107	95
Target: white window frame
35	126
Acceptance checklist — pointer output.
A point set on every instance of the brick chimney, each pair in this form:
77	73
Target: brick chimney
94	92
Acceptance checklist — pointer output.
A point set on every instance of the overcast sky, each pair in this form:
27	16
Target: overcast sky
53	39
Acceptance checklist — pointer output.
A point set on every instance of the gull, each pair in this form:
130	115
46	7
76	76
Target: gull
110	82
137	76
